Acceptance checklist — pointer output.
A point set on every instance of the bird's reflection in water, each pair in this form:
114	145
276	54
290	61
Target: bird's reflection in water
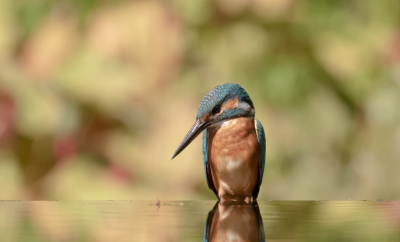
234	222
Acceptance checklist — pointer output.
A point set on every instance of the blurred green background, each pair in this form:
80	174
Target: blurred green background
95	95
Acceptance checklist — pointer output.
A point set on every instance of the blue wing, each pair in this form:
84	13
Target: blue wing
206	161
261	160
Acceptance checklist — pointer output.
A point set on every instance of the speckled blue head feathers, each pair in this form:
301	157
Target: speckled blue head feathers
223	102
221	94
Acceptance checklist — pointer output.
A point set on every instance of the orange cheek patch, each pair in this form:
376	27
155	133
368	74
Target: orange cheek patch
230	104
205	117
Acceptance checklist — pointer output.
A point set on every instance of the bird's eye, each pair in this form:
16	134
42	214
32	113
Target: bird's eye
216	109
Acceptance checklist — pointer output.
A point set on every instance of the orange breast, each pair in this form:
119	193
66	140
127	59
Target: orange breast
234	153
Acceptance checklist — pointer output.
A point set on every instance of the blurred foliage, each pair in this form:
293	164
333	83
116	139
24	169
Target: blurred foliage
95	95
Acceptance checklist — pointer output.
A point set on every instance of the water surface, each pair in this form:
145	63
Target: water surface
199	220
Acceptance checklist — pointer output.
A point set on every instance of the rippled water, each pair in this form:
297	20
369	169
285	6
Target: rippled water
200	220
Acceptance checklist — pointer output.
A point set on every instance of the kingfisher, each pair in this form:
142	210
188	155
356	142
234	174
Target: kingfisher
233	143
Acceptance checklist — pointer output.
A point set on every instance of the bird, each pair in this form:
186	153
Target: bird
234	222
233	144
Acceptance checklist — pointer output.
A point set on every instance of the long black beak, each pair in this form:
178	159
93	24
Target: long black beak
197	128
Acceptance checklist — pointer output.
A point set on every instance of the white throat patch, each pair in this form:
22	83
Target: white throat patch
221	123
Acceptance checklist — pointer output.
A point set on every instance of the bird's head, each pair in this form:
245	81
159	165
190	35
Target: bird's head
224	102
